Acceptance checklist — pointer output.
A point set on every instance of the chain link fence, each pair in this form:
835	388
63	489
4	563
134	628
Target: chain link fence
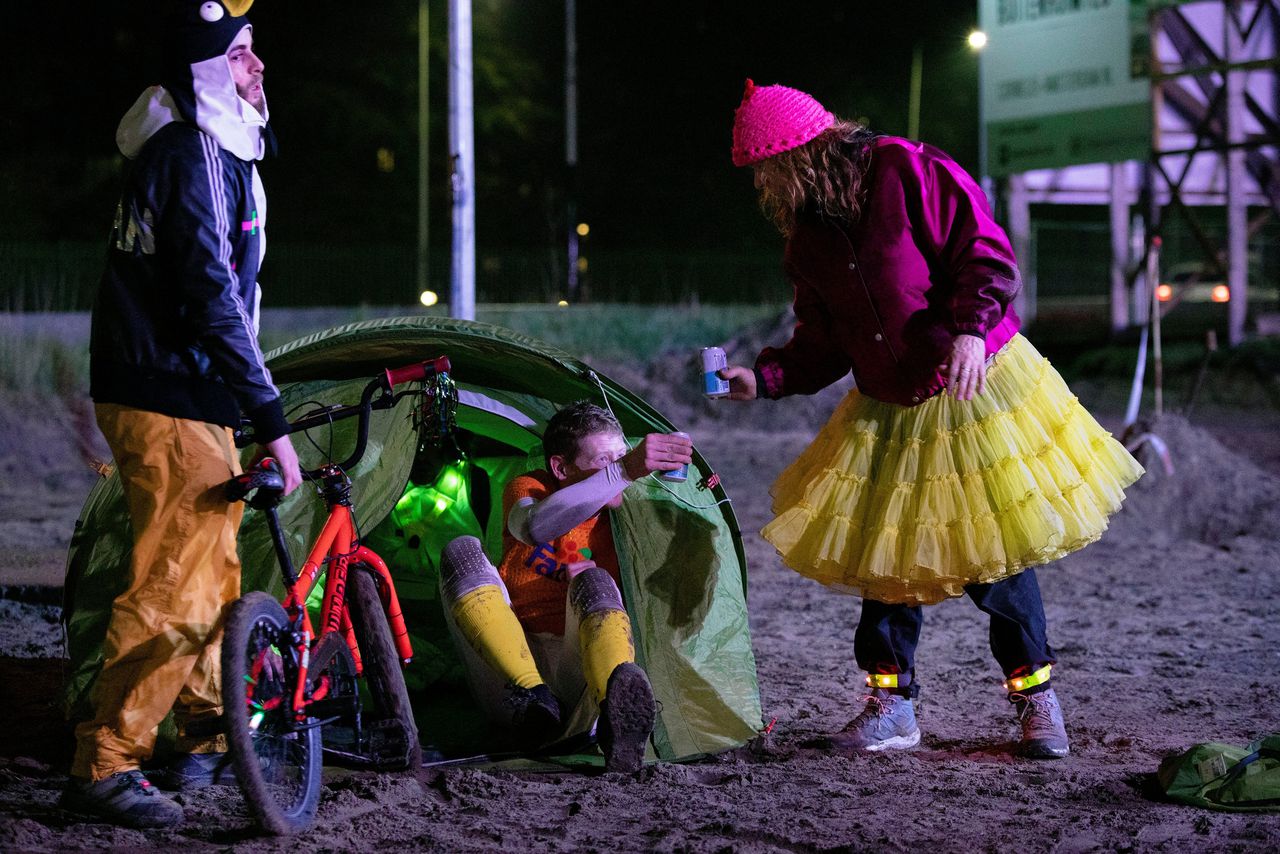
64	276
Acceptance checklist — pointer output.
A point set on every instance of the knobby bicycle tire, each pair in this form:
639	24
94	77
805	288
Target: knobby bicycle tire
382	670
278	766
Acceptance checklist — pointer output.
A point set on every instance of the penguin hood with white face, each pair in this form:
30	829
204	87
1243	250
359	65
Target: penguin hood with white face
197	83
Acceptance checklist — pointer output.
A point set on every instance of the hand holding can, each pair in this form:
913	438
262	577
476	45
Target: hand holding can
713	360
679	475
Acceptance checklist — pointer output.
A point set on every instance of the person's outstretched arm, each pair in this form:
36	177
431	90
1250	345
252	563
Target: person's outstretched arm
812	360
533	522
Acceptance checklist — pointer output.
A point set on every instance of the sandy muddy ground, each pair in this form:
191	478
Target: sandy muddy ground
1167	632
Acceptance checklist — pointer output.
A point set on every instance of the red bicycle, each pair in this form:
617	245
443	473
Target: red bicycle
292	693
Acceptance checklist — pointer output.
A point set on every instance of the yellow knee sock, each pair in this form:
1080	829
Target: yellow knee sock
605	641
490	626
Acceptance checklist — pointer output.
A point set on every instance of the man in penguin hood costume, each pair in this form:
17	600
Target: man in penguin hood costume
198	83
174	365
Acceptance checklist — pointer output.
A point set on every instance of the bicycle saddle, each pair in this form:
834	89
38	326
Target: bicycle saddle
261	487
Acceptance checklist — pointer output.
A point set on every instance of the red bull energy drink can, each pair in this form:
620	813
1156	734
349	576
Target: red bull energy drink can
713	385
681	474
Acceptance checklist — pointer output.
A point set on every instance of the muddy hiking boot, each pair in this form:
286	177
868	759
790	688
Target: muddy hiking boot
887	722
1044	736
126	798
535	715
626	718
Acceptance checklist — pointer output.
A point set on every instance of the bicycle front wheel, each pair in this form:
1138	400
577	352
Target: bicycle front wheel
277	758
396	746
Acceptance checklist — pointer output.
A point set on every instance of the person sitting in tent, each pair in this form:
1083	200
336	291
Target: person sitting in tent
546	637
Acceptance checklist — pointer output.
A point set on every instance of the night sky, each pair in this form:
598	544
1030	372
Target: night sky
658	85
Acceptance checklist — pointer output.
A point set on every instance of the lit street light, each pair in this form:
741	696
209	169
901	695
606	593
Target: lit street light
913	100
977	41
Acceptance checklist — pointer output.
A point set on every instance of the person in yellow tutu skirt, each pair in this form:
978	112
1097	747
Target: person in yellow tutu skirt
961	460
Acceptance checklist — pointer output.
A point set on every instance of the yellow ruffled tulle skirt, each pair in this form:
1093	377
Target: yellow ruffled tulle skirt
910	504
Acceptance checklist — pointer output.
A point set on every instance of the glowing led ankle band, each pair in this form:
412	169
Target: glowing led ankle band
1022	683
882	680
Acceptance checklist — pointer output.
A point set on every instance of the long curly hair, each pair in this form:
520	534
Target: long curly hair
825	175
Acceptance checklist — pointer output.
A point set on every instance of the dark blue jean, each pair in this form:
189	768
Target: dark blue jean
887	635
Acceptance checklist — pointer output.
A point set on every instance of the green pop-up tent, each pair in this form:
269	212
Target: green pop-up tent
682	564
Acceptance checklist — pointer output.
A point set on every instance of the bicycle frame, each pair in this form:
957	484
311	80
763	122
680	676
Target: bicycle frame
334	552
338	548
287	680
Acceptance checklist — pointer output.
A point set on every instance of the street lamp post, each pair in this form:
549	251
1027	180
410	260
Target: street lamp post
913	102
1017	206
423	266
977	41
462	288
571	146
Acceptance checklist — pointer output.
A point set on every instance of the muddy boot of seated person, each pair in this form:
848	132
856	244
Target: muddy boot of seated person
627	715
535	715
470	587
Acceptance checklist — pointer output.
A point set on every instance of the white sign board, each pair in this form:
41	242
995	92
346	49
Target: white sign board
1059	84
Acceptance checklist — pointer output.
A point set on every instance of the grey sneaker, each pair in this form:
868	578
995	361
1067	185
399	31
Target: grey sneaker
126	797
627	715
1043	734
887	722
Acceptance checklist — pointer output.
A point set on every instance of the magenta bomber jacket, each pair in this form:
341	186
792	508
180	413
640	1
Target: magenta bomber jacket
885	299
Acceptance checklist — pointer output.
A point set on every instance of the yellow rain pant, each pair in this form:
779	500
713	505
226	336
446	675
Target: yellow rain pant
164	640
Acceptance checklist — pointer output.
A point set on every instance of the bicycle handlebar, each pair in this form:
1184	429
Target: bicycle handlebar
417	371
383	386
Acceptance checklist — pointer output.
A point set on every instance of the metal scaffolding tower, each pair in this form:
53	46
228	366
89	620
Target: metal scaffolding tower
1209	113
1211	69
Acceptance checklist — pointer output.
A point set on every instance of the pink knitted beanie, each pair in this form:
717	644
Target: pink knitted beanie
773	119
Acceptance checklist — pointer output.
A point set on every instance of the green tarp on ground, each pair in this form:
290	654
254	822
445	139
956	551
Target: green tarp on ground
1225	776
683	569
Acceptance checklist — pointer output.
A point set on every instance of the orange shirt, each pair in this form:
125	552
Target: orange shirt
535	575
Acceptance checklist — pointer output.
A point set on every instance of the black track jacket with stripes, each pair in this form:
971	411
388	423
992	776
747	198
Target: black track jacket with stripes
174	323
